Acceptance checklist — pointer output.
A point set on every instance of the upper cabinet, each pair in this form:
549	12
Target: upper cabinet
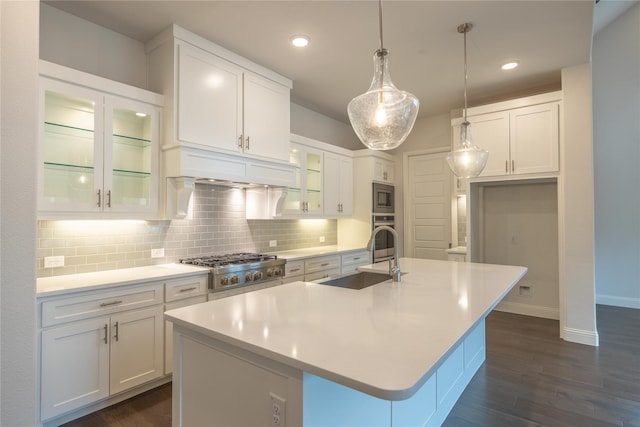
338	185
383	170
521	140
98	147
305	198
222	106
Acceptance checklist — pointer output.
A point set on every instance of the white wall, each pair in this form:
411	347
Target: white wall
75	43
575	209
314	125
18	113
616	104
428	134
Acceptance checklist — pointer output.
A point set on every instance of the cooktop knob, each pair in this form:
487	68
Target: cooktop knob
249	277
233	280
257	275
224	280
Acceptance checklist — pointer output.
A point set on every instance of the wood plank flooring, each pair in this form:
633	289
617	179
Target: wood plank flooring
530	378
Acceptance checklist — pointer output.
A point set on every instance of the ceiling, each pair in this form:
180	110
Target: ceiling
426	50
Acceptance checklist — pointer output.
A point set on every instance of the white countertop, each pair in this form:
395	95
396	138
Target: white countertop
382	340
316	251
57	285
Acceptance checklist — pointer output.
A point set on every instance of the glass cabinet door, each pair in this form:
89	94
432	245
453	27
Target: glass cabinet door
313	177
70	175
130	156
306	196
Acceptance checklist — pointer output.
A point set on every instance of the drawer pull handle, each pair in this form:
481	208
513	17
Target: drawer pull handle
193	288
105	333
107	304
294	270
116	327
324	264
356	258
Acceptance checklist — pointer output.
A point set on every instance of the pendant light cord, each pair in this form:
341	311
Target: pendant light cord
380	21
465	74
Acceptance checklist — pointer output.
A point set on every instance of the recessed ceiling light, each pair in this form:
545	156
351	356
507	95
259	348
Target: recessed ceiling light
300	40
510	65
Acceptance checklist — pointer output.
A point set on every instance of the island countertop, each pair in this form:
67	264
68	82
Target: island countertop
382	340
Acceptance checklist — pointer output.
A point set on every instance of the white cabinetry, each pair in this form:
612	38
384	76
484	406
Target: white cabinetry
521	139
320	267
223	106
383	170
338	185
95	344
98	148
353	260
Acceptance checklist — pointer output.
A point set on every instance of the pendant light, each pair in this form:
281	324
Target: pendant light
384	115
468	160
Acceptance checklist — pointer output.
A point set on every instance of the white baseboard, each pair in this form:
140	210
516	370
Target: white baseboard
529	310
618	301
581	336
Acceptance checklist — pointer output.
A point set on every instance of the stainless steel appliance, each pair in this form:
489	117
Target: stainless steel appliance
240	270
383	198
384	240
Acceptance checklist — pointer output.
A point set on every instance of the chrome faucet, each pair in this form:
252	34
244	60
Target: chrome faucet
394	271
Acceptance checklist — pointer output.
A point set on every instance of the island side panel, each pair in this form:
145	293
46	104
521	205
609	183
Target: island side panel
330	404
217	384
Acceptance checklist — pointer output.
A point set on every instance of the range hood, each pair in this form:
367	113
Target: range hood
185	166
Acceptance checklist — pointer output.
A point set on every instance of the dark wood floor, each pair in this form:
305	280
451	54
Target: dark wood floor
531	378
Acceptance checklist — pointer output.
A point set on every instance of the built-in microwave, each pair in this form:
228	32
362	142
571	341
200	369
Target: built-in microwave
383	198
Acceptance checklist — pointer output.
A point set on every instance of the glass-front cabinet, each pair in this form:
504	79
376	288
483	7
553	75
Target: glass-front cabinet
99	152
306	197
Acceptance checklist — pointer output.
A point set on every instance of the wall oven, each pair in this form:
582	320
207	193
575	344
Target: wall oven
384	243
383	198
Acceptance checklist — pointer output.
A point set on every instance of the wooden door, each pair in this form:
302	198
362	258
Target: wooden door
429	197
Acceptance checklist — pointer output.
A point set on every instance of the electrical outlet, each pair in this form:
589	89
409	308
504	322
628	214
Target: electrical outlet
54	261
157	253
278	411
321	239
273	243
525	291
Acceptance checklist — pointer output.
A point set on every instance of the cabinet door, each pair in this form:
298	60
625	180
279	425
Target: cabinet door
491	132
209	100
266	118
534	139
70	148
130	156
338	185
136	348
75	365
306	197
383	171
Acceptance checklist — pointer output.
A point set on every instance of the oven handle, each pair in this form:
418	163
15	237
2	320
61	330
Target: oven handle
388	223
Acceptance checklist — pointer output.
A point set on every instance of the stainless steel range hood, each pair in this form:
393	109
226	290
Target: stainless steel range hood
185	166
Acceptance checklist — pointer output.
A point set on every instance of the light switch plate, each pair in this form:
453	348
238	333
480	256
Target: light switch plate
273	243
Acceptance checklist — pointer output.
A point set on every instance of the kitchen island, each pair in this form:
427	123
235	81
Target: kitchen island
315	355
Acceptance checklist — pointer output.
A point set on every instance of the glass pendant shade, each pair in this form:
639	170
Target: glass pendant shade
383	116
468	160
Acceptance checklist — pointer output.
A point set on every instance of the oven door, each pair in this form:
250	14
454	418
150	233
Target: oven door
384	242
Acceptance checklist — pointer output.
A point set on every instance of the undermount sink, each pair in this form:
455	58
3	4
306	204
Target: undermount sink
357	280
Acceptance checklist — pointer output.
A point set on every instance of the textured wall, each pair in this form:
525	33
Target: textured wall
218	225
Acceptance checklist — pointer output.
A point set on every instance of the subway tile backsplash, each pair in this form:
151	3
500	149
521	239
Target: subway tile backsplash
218	225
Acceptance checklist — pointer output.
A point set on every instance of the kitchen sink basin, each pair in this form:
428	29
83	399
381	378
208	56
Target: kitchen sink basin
357	280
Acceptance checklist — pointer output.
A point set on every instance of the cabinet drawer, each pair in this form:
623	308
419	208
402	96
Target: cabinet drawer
294	268
92	304
322	264
185	288
321	274
356	258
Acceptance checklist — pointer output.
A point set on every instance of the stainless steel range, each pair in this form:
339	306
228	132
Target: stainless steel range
231	271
